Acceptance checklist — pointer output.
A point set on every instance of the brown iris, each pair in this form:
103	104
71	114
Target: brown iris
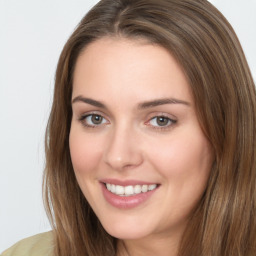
162	121
96	119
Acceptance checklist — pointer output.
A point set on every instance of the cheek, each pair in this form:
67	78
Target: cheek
181	153
85	152
184	161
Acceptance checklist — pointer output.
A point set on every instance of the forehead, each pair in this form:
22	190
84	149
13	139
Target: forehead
123	67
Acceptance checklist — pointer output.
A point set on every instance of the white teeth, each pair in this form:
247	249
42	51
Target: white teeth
113	188
144	188
152	187
129	190
137	189
109	186
119	190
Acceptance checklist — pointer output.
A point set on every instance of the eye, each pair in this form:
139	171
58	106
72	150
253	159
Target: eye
93	120
161	121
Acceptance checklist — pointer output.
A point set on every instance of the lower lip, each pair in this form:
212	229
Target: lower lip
126	202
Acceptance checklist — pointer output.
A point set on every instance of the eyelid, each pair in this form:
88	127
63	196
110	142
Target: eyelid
172	120
82	117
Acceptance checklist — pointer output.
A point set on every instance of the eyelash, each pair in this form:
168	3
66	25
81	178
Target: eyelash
83	118
171	122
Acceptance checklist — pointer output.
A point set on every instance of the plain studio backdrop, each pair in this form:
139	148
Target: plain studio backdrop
32	34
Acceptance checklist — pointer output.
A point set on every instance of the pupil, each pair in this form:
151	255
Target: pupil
161	121
96	119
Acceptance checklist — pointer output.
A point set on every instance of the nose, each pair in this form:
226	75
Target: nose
123	150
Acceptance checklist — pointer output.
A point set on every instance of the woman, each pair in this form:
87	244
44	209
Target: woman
150	146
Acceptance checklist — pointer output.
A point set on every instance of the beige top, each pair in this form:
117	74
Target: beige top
38	245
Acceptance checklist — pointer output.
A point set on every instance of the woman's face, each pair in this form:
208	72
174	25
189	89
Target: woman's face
138	152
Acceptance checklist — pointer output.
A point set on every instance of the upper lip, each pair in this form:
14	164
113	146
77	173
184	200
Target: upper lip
126	182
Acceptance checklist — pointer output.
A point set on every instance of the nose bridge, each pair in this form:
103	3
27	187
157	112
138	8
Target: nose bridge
122	150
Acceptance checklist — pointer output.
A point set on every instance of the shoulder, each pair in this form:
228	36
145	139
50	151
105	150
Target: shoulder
38	245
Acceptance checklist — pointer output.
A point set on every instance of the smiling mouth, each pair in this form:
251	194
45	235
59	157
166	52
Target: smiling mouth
129	190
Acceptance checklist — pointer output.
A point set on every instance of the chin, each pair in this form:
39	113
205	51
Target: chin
127	234
125	229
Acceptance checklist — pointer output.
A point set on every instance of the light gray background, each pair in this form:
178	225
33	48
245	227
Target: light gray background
32	34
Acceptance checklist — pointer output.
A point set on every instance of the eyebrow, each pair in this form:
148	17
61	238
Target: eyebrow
158	102
88	101
143	105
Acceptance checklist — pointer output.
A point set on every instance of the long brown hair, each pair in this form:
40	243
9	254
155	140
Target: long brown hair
205	45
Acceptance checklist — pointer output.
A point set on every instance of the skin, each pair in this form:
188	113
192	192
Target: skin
130	144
